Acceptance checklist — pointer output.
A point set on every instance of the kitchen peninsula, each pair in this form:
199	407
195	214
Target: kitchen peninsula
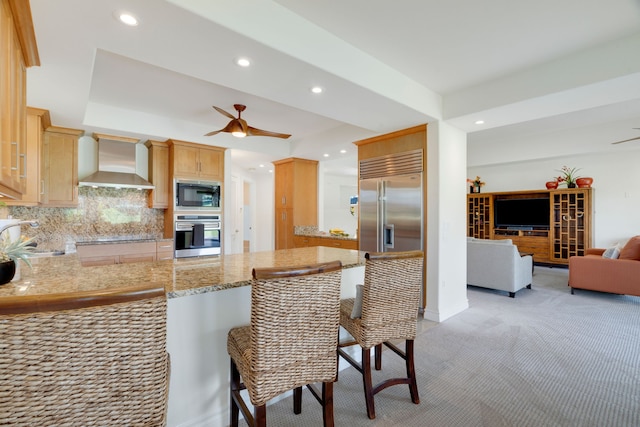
206	297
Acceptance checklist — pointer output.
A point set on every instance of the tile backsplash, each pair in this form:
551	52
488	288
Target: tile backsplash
102	213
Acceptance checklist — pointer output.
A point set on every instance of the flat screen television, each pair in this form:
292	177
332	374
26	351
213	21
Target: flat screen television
521	213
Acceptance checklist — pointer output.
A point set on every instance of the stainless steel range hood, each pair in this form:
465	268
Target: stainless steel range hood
116	164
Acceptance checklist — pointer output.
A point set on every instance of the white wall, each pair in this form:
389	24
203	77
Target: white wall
616	192
335	213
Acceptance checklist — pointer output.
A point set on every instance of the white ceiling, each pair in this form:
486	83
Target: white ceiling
521	67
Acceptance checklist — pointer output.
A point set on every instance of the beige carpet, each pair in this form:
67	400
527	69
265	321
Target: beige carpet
544	358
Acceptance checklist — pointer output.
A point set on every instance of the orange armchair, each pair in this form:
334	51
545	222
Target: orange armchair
619	276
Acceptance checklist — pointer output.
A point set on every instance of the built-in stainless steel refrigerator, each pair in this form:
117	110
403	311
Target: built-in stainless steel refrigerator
391	213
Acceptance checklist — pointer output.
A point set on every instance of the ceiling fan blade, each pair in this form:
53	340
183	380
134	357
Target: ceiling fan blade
245	127
213	132
259	132
626	140
224	113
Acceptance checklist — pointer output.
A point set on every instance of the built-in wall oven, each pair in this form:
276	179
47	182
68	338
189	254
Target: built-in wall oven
197	235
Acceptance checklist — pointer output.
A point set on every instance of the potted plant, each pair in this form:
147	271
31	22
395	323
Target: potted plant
12	251
568	176
475	184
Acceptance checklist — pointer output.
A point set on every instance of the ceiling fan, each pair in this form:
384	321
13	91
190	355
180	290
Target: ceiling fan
238	126
627	140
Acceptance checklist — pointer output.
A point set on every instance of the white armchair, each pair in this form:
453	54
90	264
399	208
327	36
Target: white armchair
497	264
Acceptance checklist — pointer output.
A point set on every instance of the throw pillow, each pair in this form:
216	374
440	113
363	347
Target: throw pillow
356	312
631	250
613	252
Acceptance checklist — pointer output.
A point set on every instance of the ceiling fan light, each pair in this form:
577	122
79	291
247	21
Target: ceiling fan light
236	130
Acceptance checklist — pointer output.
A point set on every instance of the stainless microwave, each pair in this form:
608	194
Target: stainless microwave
197	195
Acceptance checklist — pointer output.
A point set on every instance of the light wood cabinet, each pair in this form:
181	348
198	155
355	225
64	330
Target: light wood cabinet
569	231
479	216
196	161
332	242
158	173
17	52
296	198
572	213
116	253
37	121
59	167
164	250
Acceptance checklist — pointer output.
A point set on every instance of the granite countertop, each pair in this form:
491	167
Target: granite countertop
312	231
111	240
180	277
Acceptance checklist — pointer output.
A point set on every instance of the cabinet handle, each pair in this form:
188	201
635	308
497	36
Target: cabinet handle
42	186
24	166
284	200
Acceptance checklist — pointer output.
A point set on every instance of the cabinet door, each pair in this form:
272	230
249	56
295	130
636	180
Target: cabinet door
479	216
211	164
571	223
60	167
158	174
284	228
12	106
31	159
284	185
185	162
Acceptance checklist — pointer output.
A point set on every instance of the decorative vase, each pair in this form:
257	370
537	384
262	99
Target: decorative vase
571	185
584	182
7	271
551	185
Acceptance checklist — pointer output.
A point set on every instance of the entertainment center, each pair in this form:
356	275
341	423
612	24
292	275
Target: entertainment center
553	225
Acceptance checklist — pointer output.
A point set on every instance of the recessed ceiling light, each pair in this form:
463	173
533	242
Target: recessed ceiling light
326	155
479	122
128	19
243	62
261	166
343	151
317	89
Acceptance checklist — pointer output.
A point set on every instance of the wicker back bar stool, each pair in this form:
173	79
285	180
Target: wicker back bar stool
387	310
84	358
290	342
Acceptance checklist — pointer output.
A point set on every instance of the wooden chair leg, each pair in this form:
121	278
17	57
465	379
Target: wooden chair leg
327	404
260	415
378	356
411	372
297	400
368	388
234	387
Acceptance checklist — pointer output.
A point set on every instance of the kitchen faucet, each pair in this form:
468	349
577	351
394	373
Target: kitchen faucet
33	223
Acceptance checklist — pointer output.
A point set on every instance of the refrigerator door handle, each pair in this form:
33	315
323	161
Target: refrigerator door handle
388	236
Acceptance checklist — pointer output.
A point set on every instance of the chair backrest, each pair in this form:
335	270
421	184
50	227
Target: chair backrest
391	295
295	316
84	358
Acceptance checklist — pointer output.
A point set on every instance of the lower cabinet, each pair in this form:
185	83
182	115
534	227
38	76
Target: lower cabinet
127	252
305	241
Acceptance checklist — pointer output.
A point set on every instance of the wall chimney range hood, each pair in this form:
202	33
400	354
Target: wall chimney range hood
116	164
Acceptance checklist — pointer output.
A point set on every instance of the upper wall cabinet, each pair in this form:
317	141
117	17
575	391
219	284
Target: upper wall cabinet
196	161
59	167
17	52
37	121
158	173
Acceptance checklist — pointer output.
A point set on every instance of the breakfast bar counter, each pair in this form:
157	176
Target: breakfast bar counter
206	297
180	277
